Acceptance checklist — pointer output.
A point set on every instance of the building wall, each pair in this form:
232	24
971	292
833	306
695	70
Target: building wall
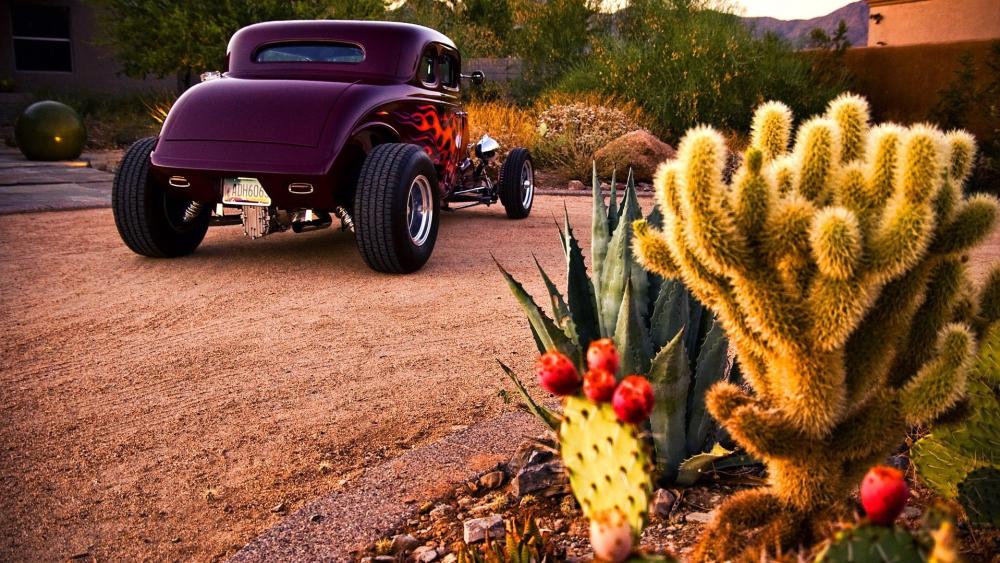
910	22
94	69
903	84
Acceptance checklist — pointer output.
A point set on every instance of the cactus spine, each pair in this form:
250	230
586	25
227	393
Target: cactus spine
836	268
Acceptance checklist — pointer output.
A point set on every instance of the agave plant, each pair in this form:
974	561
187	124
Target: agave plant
658	326
522	543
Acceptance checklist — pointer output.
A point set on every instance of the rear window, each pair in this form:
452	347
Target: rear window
310	52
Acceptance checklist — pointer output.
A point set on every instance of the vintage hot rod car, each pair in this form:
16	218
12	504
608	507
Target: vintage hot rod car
361	120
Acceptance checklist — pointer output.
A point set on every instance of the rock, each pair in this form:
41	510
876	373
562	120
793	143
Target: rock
385	559
911	512
529	453
425	507
402	543
475	530
450	558
425	554
280	507
367	560
575	185
640	150
546	479
441	512
315	518
662	503
700	517
492	480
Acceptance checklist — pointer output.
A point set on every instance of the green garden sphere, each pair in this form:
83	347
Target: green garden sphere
50	130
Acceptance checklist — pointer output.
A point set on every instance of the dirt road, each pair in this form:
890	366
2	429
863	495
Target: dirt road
160	410
154	409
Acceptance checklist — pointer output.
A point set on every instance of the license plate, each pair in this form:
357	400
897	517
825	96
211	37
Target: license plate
244	191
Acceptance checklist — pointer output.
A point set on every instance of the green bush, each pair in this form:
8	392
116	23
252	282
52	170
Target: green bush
686	64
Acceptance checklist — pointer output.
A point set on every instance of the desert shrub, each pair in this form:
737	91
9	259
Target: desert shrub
569	135
511	125
691	65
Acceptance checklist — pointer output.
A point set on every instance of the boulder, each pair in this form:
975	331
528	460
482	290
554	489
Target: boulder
640	150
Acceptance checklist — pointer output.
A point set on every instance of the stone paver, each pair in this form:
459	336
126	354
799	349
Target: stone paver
27	186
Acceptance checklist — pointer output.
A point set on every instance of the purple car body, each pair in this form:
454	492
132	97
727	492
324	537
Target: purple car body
315	119
311	123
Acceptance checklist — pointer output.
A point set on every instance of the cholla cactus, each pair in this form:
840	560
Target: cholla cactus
838	271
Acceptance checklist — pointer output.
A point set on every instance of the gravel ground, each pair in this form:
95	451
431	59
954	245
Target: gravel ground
155	409
166	410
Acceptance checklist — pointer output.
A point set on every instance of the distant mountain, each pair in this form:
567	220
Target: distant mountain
797	31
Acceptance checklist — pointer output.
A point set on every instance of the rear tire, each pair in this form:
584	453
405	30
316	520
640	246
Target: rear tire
396	209
517	183
150	221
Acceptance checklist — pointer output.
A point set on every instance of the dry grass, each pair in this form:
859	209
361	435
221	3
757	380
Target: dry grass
509	124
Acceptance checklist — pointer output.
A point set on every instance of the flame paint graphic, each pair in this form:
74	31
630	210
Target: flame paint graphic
439	135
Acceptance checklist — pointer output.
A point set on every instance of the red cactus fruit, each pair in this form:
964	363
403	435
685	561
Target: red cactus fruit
557	374
633	399
883	494
602	354
599	385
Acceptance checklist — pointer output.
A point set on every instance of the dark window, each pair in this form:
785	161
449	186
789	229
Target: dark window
41	38
426	70
448	69
310	52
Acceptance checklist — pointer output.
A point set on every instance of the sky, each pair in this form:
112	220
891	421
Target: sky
781	9
791	9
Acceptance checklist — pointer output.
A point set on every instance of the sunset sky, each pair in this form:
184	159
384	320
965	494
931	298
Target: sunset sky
791	10
781	9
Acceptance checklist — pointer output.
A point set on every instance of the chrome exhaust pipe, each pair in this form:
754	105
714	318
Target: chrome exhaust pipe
310	220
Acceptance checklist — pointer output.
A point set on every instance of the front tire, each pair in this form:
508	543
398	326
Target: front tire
517	183
396	211
150	221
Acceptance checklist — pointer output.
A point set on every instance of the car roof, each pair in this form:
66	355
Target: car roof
391	48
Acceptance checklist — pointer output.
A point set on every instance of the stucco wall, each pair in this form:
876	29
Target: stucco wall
94	69
904	83
932	21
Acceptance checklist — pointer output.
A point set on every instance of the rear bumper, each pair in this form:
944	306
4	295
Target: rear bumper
282	170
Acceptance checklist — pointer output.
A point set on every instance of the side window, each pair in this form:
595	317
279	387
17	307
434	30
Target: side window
448	69
426	72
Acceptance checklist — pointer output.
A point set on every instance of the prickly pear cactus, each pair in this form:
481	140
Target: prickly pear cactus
979	494
872	544
947	458
609	466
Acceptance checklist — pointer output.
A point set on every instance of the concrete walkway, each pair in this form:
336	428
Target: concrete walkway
27	186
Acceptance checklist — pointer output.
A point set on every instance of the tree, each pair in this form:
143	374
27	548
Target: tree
554	35
356	9
185	37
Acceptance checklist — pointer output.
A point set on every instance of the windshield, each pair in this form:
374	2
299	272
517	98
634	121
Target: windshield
310	52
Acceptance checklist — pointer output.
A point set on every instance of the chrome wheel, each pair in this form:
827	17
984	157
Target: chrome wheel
419	210
527	184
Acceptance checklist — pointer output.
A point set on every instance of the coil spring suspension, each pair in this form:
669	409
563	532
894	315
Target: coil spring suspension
193	211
